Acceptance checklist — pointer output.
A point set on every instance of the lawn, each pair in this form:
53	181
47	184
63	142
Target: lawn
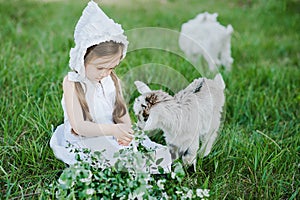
257	154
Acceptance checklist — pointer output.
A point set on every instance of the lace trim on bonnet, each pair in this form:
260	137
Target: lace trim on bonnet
93	27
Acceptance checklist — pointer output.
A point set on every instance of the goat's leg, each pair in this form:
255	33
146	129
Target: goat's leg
173	151
207	143
190	156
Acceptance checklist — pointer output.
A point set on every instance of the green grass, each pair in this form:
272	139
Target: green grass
257	155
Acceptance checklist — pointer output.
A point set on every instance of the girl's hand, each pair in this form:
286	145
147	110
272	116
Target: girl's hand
123	134
123	143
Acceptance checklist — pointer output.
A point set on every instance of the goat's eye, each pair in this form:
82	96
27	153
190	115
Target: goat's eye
144	106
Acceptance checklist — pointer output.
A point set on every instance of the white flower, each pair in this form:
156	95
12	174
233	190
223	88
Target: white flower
202	193
199	193
90	191
164	194
62	182
178	192
206	192
135	150
87	179
65	182
130	196
189	194
173	175
160	184
134	195
148	186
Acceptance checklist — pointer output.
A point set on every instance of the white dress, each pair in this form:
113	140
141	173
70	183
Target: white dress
101	112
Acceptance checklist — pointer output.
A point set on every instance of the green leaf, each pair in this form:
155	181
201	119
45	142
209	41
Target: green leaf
161	170
159	161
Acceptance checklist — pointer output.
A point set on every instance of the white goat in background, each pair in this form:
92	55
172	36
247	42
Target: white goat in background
205	36
190	116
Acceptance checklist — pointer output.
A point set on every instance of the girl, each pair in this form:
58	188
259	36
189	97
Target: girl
95	114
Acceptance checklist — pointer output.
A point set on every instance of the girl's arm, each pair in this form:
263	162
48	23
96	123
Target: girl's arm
87	128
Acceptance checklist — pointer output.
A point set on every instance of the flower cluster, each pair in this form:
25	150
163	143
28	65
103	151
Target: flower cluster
129	178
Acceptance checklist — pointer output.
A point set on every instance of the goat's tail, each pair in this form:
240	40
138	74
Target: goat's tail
219	80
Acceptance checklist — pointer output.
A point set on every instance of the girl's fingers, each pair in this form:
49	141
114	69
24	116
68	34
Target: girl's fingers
127	137
130	132
123	143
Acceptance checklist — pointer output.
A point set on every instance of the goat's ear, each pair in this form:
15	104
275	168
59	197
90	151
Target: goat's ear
142	87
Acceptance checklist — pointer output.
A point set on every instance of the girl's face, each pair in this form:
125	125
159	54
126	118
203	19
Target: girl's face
100	67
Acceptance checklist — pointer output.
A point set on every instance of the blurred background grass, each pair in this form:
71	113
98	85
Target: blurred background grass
257	153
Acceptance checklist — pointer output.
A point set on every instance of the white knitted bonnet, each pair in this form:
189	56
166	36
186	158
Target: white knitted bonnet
93	27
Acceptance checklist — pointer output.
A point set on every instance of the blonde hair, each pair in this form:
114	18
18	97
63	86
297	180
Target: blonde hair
103	49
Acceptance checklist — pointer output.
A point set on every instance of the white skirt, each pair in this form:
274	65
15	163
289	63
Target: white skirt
62	149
